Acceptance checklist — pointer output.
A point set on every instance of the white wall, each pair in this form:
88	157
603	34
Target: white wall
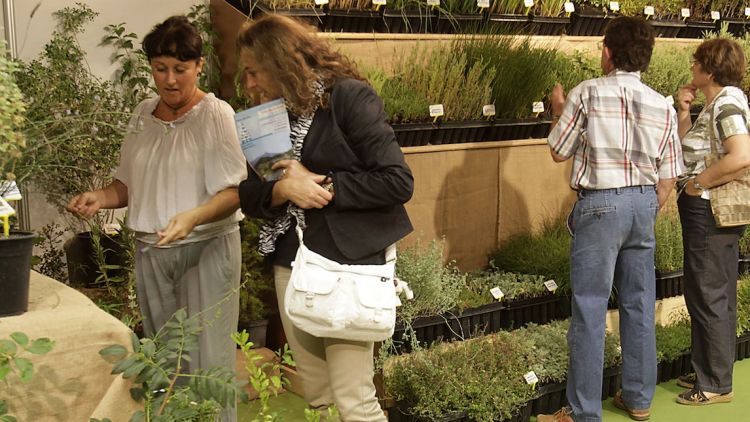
33	32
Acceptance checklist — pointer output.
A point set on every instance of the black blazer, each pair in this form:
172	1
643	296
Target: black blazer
371	181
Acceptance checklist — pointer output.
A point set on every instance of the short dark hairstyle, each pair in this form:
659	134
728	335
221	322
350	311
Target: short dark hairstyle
630	41
723	59
175	37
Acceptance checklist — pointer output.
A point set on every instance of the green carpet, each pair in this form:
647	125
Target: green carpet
290	407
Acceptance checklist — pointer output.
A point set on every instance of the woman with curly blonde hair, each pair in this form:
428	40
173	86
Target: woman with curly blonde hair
346	187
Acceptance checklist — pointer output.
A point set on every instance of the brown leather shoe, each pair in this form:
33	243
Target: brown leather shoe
635	414
562	415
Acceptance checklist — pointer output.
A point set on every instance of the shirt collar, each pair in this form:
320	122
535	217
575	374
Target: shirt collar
618	72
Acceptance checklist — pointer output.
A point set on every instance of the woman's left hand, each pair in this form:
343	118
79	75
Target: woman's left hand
178	227
292	169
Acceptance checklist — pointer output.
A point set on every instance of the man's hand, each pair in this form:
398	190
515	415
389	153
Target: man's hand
557	100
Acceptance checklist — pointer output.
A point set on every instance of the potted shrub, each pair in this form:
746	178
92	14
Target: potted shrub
673	348
460	17
699	21
665	20
15	247
668	255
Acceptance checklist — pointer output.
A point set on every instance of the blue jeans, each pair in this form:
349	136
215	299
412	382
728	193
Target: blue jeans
613	242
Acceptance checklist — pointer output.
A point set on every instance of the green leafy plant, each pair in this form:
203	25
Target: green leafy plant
12	361
673	340
514	287
572	69
668	255
12	109
258	289
51	262
168	392
669	69
743	305
210	77
134	74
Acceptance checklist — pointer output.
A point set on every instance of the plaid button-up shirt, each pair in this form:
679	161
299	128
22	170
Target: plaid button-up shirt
620	133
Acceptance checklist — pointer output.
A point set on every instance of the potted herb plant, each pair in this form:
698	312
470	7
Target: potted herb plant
673	348
668	255
743	318
352	16
15	247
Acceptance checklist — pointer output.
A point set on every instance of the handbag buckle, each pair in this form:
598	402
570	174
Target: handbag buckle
309	299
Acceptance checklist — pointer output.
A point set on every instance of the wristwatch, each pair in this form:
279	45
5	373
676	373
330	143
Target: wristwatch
697	186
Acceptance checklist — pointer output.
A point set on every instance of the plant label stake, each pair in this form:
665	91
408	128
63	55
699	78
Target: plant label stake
569	8
497	293
537	107
483	4
5	212
685	12
436	111
321	2
488	111
614	6
648	11
551	285
531	379
747	12
378	3
715	15
433	3
529	4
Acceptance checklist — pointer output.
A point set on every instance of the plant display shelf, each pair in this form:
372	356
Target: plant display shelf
399	413
553	396
669	284
484	319
669	370
420	134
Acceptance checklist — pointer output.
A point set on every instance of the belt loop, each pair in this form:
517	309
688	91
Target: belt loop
643	190
617	191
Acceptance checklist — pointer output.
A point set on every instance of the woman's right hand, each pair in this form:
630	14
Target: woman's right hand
685	97
85	204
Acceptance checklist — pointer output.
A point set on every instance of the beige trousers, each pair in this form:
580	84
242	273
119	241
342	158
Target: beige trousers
333	371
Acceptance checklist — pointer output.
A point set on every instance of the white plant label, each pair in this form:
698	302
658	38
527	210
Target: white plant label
648	10
685	12
715	15
550	285
497	293
537	107
747	11
111	229
528	3
670	100
570	7
488	110
437	110
483	3
614	6
379	2
321	2
6	210
433	2
531	378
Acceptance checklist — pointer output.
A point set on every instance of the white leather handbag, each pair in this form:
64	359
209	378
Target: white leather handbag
350	302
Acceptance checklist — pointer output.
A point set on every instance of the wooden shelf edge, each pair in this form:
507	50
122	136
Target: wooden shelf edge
474	145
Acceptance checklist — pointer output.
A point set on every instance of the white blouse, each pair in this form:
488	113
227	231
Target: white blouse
170	167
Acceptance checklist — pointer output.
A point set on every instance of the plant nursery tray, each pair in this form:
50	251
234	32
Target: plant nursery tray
508	129
743	264
408	21
551	398
352	20
669	284
666	371
743	347
737	27
666	28
695	29
588	23
460	23
528	24
398	414
312	16
611	381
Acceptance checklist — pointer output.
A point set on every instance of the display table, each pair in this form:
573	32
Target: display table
72	382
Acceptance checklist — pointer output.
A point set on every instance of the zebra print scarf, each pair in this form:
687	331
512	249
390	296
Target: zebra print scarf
272	229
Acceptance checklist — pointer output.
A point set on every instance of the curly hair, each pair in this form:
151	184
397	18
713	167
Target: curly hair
723	59
631	42
175	37
296	56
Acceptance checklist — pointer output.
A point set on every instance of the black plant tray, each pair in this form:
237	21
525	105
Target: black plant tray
408	21
668	284
413	134
459	132
551	398
352	20
743	265
695	29
588	23
666	371
743	347
460	23
527	24
507	129
312	16
398	414
665	28
737	27
612	378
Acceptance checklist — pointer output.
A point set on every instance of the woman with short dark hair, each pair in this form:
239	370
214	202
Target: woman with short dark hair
346	187
711	253
180	166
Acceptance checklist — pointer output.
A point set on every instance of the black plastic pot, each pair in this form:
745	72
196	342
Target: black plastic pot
413	134
15	269
312	16
743	264
551	398
695	29
611	381
737	27
668	284
670	370
460	23
399	413
257	330
352	20
82	267
408	21
743	347
511	24
667	28
588	23
508	129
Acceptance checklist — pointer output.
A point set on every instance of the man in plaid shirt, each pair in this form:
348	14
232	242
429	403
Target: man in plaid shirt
622	136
